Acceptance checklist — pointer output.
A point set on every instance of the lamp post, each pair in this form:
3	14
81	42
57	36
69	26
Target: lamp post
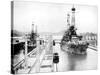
38	55
26	51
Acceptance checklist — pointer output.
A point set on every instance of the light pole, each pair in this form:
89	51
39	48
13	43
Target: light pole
38	55
26	51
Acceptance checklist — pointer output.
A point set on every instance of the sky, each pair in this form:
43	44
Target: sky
52	17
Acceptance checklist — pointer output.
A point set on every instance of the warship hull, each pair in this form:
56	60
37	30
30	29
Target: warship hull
73	48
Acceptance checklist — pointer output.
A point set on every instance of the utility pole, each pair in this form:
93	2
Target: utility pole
38	55
26	51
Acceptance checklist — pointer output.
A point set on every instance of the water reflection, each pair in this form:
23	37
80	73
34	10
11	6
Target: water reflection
76	62
18	57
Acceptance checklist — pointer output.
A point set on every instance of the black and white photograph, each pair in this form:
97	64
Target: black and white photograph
53	37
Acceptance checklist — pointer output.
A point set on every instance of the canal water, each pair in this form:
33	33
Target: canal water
69	62
18	57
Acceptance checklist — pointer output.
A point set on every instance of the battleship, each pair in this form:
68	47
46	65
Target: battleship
32	39
71	41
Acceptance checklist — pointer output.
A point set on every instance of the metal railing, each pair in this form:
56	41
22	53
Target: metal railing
23	60
92	47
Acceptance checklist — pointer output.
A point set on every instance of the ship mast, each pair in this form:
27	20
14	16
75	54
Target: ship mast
73	16
32	33
68	20
73	28
36	29
32	27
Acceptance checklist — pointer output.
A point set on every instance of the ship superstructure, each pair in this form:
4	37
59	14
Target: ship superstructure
72	42
32	38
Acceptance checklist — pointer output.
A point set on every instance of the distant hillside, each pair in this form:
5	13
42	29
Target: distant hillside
51	33
89	34
15	33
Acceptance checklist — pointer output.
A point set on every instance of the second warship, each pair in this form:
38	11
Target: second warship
71	42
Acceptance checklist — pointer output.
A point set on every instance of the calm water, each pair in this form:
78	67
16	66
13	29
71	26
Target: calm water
71	62
18	57
76	62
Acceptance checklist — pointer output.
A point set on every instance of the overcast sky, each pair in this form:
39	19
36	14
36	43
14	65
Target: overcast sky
52	17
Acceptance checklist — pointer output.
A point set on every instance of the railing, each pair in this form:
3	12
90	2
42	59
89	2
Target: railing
23	60
39	59
19	64
30	53
92	47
